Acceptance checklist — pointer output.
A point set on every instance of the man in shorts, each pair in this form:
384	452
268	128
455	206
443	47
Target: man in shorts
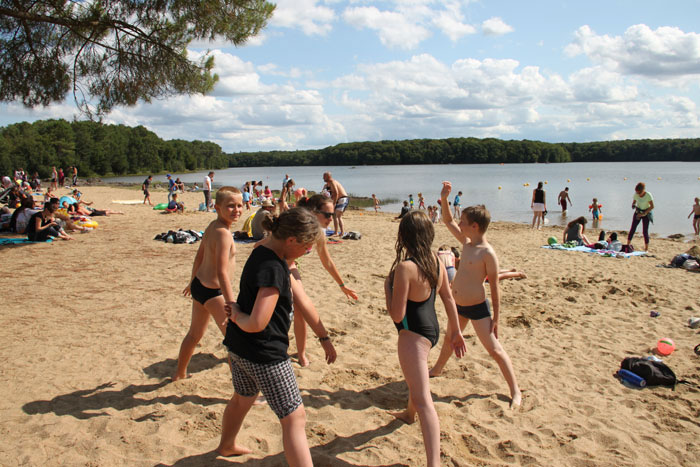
340	200
564	198
146	193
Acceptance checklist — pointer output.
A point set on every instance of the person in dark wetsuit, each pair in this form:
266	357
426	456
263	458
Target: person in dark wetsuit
410	289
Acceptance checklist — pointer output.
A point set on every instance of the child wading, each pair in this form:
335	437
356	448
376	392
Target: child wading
477	263
257	336
415	278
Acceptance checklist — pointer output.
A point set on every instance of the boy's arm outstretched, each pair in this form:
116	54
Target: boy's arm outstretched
456	339
452	226
491	262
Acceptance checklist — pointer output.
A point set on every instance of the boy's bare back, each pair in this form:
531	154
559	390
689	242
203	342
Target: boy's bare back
216	241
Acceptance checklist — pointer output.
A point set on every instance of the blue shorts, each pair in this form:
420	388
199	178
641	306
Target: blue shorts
342	203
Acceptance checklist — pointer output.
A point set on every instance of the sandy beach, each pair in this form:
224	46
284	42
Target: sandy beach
92	327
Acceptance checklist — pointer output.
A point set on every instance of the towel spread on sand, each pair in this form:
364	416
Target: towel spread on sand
585	249
18	241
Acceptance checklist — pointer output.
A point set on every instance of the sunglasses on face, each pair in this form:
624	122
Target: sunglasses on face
327	215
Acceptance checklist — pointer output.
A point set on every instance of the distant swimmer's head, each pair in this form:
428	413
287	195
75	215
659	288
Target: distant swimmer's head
478	215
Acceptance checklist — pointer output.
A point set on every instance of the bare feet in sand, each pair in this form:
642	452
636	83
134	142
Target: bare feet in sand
404	416
303	361
434	372
236	450
178	377
516	399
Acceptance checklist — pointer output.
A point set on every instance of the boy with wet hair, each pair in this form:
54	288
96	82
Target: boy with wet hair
478	262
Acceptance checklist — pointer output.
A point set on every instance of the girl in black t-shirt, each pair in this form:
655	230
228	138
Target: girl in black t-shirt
257	336
42	224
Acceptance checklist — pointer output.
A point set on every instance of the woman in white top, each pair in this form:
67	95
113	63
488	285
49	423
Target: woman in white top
643	204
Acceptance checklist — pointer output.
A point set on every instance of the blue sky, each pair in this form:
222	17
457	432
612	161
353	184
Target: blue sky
329	71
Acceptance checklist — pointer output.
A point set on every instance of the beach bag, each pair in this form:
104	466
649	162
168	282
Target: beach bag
352	236
627	249
654	373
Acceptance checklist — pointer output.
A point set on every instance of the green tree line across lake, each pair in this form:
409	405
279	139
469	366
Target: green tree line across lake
99	149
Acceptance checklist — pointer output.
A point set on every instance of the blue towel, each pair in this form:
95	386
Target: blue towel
18	241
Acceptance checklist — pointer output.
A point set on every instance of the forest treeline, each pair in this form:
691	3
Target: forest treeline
476	151
99	149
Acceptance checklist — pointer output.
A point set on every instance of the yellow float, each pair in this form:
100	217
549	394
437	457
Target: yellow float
568	180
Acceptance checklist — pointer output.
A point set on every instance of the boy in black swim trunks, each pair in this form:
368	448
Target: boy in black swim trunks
477	263
210	284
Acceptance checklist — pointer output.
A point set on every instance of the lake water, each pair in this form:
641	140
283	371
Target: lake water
674	185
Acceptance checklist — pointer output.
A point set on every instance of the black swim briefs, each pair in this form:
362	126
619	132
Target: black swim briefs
202	294
475	312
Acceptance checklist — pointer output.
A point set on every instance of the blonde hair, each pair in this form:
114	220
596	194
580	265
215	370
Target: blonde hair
226	192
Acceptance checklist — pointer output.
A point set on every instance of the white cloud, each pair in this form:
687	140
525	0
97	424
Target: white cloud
395	29
663	54
450	22
495	27
601	85
306	15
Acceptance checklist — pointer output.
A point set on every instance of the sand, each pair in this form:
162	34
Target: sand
92	327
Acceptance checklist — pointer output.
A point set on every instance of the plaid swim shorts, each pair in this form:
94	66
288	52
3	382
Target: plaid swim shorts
275	380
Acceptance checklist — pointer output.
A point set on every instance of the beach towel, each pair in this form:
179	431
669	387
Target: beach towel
127	201
19	241
585	249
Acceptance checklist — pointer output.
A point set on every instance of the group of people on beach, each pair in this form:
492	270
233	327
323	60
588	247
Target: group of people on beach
42	214
642	204
271	300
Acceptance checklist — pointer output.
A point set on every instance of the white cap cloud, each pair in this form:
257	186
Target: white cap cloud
495	27
666	53
306	15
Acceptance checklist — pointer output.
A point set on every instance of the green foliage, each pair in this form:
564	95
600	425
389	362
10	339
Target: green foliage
475	151
98	149
110	52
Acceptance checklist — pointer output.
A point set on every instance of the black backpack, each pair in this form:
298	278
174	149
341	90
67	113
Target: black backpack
654	373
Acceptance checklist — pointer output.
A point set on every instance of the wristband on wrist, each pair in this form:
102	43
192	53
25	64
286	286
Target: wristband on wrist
341	285
324	339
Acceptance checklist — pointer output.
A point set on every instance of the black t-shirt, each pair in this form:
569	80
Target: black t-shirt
31	226
146	183
263	269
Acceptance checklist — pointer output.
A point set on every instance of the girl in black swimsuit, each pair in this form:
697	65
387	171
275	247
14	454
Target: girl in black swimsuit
415	278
